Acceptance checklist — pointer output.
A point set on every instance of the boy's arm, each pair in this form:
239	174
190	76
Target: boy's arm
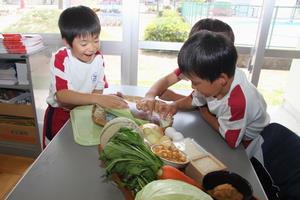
157	89
160	86
185	103
209	118
166	110
169	95
68	98
97	92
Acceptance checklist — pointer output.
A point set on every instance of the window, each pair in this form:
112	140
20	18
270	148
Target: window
42	16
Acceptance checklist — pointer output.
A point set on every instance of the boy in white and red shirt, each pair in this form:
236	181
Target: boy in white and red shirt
223	95
77	70
226	99
161	87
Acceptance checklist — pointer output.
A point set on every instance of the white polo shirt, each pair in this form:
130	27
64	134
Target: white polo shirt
241	113
67	72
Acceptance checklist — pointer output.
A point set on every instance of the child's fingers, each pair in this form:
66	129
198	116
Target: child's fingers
146	105
164	110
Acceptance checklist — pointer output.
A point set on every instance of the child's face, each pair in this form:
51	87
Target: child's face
84	48
207	88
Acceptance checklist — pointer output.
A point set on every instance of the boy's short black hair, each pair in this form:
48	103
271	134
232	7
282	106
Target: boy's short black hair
213	25
207	54
78	21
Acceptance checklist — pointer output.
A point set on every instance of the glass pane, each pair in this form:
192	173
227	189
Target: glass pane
173	19
160	63
162	17
279	79
110	15
285	28
279	86
243	18
42	16
29	16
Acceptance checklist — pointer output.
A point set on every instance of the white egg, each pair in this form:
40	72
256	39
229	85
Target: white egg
169	131
176	136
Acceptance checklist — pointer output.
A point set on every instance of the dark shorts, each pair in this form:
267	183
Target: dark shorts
281	150
280	174
54	120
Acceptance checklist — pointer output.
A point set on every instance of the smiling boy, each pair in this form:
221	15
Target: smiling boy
77	70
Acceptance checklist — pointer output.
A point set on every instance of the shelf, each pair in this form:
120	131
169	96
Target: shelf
8	56
19	56
16	135
19	110
19	87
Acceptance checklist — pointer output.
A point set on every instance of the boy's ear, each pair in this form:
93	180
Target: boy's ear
223	79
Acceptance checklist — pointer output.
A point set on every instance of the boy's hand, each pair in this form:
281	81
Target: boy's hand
112	101
204	110
166	110
146	104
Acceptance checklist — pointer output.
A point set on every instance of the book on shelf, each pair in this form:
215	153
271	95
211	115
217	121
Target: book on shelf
20	43
22	73
7	74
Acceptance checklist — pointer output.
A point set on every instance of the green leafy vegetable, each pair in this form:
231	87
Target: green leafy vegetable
126	155
171	190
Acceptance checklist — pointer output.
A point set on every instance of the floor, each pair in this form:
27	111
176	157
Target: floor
283	116
12	169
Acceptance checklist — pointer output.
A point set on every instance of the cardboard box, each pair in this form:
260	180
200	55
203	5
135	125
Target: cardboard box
20	110
17	133
202	165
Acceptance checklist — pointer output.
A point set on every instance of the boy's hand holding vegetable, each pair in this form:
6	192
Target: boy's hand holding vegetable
146	104
167	110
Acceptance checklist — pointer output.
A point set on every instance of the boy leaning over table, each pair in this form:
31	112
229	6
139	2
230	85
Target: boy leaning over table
227	101
161	87
77	70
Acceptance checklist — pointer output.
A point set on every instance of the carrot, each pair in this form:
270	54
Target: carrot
169	172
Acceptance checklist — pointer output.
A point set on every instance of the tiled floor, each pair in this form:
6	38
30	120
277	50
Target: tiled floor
283	116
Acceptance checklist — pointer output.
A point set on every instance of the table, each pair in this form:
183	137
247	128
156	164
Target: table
66	170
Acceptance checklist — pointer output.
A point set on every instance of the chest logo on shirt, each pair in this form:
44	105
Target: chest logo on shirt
94	77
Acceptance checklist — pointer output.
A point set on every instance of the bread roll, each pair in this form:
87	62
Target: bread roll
99	115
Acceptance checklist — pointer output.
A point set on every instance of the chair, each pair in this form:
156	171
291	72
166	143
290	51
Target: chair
281	150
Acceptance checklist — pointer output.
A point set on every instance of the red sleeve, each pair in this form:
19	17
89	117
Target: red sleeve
59	59
177	72
237	104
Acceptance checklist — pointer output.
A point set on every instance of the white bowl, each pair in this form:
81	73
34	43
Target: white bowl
175	164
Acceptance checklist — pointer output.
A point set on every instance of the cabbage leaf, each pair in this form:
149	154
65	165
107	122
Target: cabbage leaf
171	190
